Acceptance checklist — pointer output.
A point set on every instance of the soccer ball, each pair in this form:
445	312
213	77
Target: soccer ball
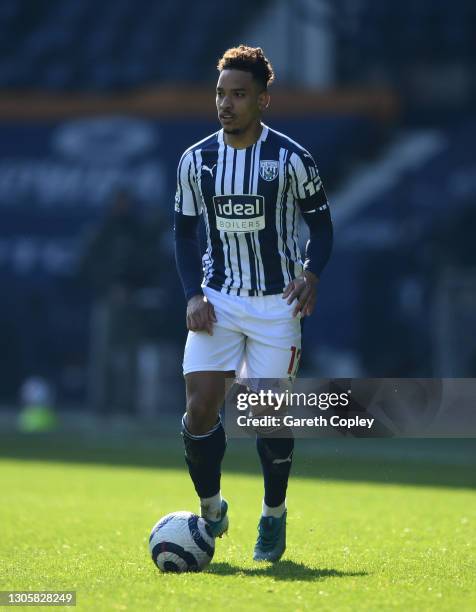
181	542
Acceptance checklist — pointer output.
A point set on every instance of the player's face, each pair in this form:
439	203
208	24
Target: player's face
240	101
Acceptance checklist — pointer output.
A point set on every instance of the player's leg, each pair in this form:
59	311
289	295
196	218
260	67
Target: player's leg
276	460
272	356
275	450
208	361
205	443
204	436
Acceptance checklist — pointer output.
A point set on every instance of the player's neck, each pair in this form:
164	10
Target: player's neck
246	139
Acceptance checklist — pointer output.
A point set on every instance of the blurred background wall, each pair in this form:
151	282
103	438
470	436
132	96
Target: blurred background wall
99	100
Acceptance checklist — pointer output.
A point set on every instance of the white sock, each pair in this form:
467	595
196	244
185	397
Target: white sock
276	511
210	507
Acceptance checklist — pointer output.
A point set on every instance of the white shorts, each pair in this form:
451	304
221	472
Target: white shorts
256	337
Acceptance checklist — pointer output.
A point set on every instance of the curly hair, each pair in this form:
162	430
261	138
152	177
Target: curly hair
249	59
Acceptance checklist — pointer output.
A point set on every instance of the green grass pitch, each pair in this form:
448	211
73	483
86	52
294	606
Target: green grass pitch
373	525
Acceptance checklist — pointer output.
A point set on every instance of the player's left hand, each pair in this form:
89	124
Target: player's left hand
304	290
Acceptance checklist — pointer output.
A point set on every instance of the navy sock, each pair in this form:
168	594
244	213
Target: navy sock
203	455
276	459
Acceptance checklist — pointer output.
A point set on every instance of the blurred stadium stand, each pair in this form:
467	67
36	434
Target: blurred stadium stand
403	223
394	34
65	45
94	97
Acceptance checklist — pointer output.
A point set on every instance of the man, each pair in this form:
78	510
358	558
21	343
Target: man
117	262
251	184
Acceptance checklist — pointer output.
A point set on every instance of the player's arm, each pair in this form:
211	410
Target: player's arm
312	201
200	313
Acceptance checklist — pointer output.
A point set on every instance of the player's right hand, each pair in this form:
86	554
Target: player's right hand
200	314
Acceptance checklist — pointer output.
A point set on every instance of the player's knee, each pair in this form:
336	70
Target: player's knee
201	416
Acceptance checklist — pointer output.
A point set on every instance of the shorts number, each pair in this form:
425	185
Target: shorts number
294	361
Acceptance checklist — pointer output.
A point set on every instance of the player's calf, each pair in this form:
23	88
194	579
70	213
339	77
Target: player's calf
276	456
203	455
205	443
276	460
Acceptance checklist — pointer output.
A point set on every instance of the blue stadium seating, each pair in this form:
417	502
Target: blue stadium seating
120	44
85	45
394	34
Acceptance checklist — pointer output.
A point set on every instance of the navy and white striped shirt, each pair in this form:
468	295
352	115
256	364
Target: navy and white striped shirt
251	200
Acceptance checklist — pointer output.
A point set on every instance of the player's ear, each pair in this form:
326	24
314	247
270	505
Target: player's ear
264	100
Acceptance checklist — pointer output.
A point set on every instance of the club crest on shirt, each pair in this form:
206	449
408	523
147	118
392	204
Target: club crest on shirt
268	169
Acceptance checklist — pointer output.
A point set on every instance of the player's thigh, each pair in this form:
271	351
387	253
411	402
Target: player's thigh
220	352
276	352
208	362
265	361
